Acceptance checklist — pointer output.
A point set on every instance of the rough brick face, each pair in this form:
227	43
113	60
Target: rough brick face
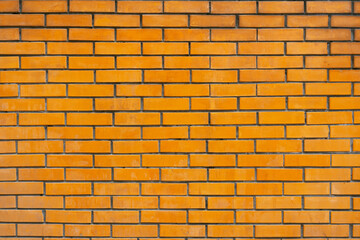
176	119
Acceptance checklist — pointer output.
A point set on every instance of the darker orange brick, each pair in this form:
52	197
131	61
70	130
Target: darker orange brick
186	34
139	34
22	20
9	6
70	20
307	21
43	34
44	6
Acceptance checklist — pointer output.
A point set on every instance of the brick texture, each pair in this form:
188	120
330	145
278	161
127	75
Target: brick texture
179	119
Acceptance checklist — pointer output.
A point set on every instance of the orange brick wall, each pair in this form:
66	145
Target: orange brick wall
179	119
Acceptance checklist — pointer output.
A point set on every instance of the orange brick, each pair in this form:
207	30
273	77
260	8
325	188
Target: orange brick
8	174
7	147
326	230
40	230
307	102
333	145
280	62
328	7
43	34
9	90
187	62
91	6
179	230
262	103
214	76
212	21
137	119
186	34
87	146
211	189
70	76
213	160
22	76
87	230
277	231
278	146
109	20
221	146
135	147
135	230
89	119
69	161
233	7
212	132
117	133
213	104
259	188
44	6
163	189
43	62
34	174
40	202
139	62
9	62
345	21
91	34
186	7
328	34
9	6
135	202
46	90
278	202
344	131
8	119
8	201
328	89
79	104
329	118
233	34
211	216
24	48
307	131
118	76
69	20
345	188
279	174
181	175
161	104
40	147
259	160
258	217
163	216
116	189
68	188
73	174
262	75
328	62
21	188
261	21
166	76
91	62
233	118
295	48
116	216
7	230
293	34
136	174
22	133
307	21
329	174
115	104
165	48
345	160
279	89
231	174
232	62
58	216
185	118
345	48
213	48
327	202
182	146
88	90
164	20
140	6
260	132
164	160
70	133
70	48
186	90
28	160
165	132
230	231
182	202
300	75
306	188
139	34
260	48
22	20
117	161
230	203
87	202
281	7
344	217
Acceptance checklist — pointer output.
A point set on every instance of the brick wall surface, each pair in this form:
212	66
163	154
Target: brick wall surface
179	119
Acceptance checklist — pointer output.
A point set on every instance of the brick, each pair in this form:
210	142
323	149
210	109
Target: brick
327	89
325	174
89	119
294	34
135	230
280	62
259	189
279	89
181	230
165	20
87	146
260	48
232	62
68	160
12	48
342	160
186	34
40	146
230	203
327	202
182	202
139	62
186	7
7	147
306	75
116	189
233	34
68	188
281	7
345	21
163	189
278	202
306	188
344	131
22	133
9	62
328	34
221	146
117	133
116	216
259	160
279	174
212	21
179	90
328	7
117	104
247	103
91	62
46	90
109	20
69	104
277	231
213	160
118	76
212	48
258	217
185	118
9	6
8	119
152	216
231	174
88	174
91	6
344	217
70	48
261	21
136	174
137	119
262	75
328	62
117	161
307	21
81	34
307	102
87	202
211	189
22	20
70	20
278	146
326	230
164	160
333	145
181	175
182	146
168	104
87	230
34	174
233	7
230	230
211	216
28	160
40	230
345	188
329	118
44	6
139	34
43	62
187	62
7	230
165	49
44	34
40	202
8	201
135	147
70	76
21	188
9	34
318	48
212	132
164	132
135	202
260	132
140	6
232	118
88	90
58	216
9	90
307	131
